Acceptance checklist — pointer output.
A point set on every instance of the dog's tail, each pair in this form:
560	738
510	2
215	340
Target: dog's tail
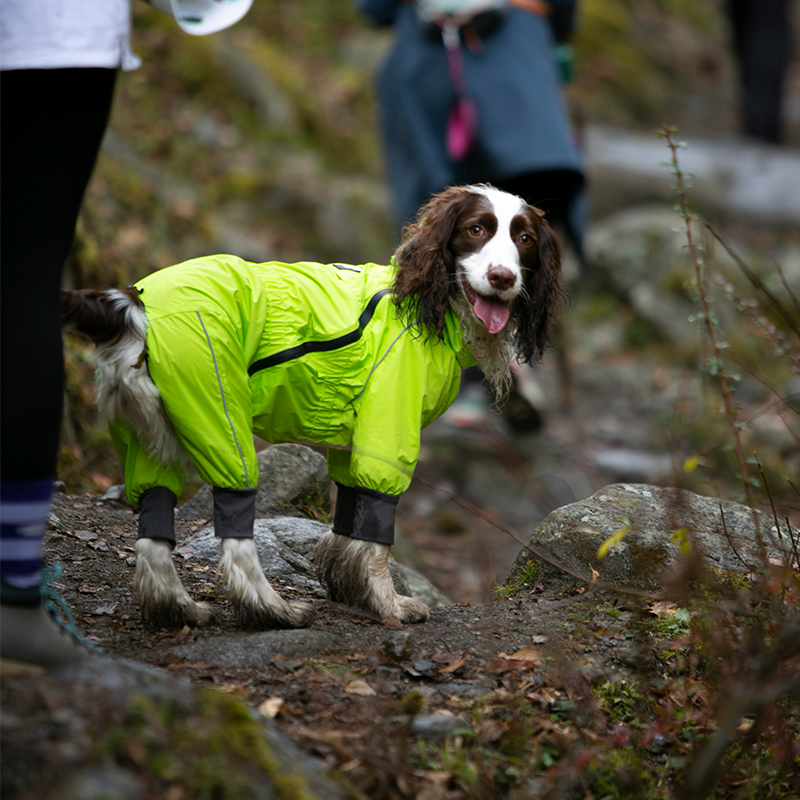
115	321
105	317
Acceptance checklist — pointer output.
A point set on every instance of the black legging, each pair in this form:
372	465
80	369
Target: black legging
762	44
52	122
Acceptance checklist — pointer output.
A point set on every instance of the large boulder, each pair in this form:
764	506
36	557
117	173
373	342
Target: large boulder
659	524
293	481
104	710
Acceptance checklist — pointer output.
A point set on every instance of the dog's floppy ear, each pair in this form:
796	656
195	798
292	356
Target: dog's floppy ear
426	264
536	308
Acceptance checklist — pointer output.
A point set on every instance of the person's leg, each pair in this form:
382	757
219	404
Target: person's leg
53	122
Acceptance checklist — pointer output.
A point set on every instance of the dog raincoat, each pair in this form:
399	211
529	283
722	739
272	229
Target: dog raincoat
291	352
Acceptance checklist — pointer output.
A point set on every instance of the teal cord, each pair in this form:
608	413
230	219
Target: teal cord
58	608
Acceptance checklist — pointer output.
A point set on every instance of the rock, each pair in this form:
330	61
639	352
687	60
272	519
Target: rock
125	710
238	649
756	181
115	494
398	645
628	464
286	547
646	553
640	255
293	480
99	782
435	726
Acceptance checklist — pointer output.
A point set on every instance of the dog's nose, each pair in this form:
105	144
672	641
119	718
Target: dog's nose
501	278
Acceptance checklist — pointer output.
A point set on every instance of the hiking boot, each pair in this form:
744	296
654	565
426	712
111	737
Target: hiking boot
37	627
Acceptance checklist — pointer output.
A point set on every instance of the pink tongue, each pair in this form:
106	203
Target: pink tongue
492	313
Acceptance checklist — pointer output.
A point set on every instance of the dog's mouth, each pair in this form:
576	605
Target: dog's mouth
491	311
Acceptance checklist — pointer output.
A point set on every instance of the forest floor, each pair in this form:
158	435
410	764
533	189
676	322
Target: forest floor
524	692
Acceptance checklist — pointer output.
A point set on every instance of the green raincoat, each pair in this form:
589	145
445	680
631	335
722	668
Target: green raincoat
292	352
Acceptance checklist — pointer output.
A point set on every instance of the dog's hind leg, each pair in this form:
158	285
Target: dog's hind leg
356	573
256	603
163	600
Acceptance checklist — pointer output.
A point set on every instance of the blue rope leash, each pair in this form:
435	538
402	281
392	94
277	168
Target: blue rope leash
58	608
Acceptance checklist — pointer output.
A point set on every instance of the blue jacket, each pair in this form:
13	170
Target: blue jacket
513	80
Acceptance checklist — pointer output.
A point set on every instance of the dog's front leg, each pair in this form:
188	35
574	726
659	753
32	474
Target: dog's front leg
162	599
256	603
356	573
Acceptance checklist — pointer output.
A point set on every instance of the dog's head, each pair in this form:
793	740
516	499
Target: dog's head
492	255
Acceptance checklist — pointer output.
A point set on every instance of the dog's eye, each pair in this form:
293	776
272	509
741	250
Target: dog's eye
526	240
475	230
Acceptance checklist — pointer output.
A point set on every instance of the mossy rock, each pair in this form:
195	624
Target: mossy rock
655	530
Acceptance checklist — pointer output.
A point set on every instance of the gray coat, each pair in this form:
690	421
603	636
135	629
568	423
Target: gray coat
514	82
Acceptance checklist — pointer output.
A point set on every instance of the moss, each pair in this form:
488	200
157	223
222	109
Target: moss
621	699
524	576
626	65
623	774
215	751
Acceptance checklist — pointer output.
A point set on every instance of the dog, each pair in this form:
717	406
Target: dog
195	358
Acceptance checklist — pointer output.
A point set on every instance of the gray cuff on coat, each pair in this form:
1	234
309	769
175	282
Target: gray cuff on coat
234	513
365	514
157	520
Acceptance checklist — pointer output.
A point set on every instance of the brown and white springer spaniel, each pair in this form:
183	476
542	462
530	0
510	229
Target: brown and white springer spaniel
480	251
496	260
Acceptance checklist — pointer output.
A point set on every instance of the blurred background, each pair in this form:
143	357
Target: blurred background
263	141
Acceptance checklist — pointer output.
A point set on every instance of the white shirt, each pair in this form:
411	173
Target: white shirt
53	34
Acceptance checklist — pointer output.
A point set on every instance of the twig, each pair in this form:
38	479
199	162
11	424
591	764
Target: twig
709	328
758	283
728	536
772	505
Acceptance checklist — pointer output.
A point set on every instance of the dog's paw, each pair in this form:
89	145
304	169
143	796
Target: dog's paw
274	615
409	609
183	611
163	600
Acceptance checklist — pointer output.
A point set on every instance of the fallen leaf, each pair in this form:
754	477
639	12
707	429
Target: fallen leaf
106	608
271	706
86	589
393	623
593	579
100	544
185	552
434	786
453	667
544	696
525	654
360	687
232	688
509	665
662	609
85	536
